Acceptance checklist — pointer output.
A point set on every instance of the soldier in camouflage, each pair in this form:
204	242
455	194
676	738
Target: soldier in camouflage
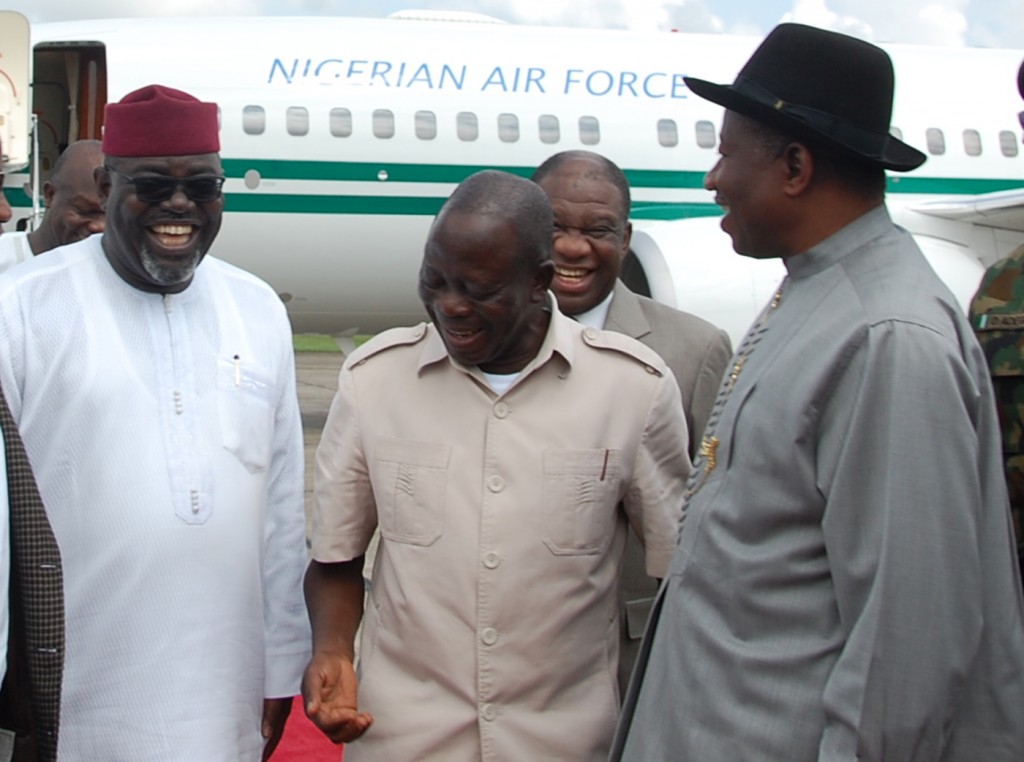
997	314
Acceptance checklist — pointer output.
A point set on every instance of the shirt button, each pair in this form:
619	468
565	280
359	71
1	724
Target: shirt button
501	410
489	636
489	712
653	371
495	483
590	333
491	560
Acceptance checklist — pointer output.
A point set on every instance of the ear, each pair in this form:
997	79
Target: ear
48	190
627	237
798	164
542	281
102	180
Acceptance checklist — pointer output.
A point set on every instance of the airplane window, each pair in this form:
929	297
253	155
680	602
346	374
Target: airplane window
896	132
508	128
426	125
341	122
1008	143
547	124
254	120
297	120
668	133
936	141
972	142
590	131
383	123
706	136
467	127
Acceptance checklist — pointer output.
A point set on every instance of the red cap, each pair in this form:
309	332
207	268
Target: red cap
160	121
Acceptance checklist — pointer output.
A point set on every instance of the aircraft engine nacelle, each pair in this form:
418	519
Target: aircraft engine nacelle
691	265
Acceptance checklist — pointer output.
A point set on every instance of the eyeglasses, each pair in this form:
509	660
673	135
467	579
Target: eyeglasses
155	189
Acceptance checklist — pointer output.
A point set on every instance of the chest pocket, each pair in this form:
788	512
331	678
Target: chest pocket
413	481
246	399
582	489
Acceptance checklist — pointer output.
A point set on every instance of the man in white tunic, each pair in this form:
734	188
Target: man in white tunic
845	586
156	398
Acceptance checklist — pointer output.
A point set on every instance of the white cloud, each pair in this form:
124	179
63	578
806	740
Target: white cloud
817	13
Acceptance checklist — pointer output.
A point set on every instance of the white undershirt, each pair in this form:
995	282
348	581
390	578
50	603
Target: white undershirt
596	315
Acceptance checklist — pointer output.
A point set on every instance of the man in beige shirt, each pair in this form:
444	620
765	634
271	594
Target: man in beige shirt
493	449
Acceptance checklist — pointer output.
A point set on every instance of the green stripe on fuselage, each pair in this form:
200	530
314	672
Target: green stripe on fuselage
380	174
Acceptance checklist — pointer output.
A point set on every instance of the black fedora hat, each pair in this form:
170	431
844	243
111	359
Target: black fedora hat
822	86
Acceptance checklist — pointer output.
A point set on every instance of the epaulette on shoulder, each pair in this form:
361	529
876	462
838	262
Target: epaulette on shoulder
618	342
393	337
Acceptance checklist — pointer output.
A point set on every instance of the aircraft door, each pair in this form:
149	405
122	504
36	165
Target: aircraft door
14	90
69	93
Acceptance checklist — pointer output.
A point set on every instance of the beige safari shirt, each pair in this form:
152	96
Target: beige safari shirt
492	626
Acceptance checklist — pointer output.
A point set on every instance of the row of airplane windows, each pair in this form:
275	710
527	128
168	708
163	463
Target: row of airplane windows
467	128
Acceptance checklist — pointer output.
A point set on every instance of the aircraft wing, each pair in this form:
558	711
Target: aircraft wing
1001	209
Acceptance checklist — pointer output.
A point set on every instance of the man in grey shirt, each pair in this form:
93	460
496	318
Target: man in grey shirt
844	585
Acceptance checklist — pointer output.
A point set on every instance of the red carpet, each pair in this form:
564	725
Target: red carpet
302	742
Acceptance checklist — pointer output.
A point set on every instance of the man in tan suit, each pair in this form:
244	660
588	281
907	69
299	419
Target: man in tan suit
502	477
590	198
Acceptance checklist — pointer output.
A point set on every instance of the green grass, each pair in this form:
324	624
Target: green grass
321	342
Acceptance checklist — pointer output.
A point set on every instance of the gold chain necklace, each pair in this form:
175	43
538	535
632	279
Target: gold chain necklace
709	443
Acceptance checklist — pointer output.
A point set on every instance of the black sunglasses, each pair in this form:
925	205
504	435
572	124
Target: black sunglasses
154	189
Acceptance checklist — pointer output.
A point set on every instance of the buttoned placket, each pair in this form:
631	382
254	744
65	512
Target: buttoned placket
488	637
175	381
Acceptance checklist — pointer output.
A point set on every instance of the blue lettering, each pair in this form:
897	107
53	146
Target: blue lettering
647	85
422	74
355	69
679	87
381	69
534	77
446	72
599	73
626	80
279	66
496	78
326	62
570	79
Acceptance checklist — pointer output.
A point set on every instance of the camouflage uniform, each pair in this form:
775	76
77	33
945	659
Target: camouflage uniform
997	315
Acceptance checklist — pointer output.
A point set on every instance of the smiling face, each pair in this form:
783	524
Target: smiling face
748	182
157	246
591	235
485	296
73	205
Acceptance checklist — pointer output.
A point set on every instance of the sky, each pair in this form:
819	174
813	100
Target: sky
975	23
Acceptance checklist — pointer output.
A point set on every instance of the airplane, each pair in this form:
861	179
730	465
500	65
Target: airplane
342	137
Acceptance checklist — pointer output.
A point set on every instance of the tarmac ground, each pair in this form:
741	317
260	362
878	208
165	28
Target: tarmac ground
317	381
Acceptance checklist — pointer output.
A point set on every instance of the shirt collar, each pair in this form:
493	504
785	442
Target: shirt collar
558	341
823	255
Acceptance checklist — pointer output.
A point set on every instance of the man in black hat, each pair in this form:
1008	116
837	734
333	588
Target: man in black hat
844	585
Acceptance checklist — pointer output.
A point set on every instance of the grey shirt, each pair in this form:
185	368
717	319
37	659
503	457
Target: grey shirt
844	584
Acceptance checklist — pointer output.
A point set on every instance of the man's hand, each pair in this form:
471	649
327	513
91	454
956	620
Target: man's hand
275	714
329	692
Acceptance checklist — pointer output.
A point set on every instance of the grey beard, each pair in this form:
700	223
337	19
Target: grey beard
169	275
